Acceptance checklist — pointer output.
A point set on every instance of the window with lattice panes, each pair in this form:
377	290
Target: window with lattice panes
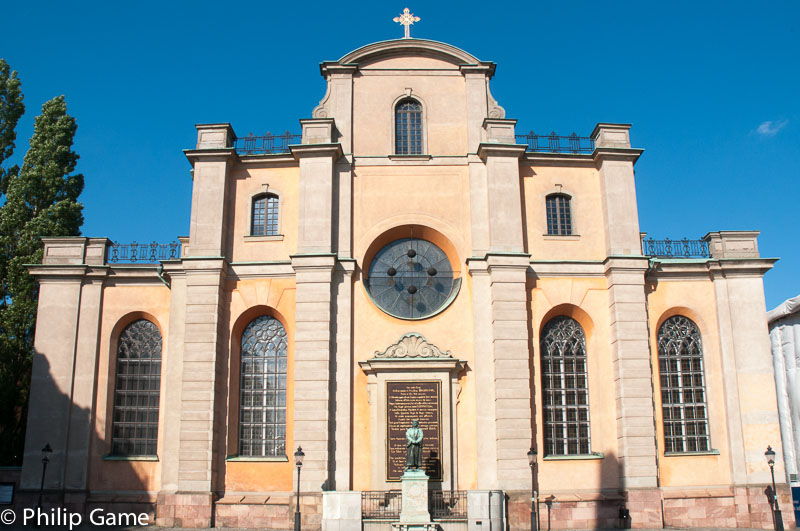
264	218
559	216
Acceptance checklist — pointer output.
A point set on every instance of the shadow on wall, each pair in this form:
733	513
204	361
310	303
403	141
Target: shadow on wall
76	464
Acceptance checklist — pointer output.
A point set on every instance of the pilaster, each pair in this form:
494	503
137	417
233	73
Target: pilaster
312	366
614	159
211	161
503	194
343	382
630	354
737	273
511	356
64	366
198	373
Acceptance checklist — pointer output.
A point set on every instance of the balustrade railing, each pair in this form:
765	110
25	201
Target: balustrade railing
381	504
143	252
448	504
553	143
265	145
675	248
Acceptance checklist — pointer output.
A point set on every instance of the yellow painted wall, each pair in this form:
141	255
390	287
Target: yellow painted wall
437	197
122	305
248	182
249	299
586	301
696	300
588	227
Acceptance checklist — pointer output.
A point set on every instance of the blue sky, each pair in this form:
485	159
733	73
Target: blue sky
710	87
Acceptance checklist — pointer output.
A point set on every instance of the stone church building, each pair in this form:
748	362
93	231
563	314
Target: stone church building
409	256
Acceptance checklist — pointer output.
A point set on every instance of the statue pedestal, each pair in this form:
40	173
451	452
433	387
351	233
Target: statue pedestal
414	515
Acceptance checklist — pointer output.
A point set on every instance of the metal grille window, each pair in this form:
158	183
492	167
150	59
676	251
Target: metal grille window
565	388
683	392
262	395
408	128
134	428
265	215
559	217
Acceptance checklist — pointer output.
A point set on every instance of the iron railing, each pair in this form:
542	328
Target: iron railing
143	252
265	145
553	143
448	504
675	248
381	504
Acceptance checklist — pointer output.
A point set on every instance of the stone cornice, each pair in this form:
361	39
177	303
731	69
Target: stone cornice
210	155
616	154
501	150
703	269
267	159
560	159
316	150
412	352
625	263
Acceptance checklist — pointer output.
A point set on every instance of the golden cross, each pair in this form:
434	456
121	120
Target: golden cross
406	19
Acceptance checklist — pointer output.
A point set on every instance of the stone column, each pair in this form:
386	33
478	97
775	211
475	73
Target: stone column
70	301
315	394
630	346
188	478
737	272
501	317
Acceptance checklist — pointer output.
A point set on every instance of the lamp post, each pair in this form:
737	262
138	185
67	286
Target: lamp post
298	462
46	451
532	463
770	455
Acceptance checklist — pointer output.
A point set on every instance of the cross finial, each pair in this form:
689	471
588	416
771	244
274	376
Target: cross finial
407	19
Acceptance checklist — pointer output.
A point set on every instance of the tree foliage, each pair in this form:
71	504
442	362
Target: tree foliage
41	200
11	108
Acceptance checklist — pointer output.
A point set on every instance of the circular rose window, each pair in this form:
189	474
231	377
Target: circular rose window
411	279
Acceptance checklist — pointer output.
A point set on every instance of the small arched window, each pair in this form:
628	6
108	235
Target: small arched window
262	394
408	128
683	390
134	427
265	215
565	388
559	217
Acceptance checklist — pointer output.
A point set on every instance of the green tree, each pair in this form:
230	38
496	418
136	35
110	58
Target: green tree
11	108
41	200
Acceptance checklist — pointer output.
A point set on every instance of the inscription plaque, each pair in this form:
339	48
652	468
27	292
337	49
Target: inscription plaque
407	401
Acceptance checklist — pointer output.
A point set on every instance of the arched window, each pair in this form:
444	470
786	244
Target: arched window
265	215
408	128
683	390
134	427
559	217
565	388
262	395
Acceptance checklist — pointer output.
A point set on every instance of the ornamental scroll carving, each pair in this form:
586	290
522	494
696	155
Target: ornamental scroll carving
412	346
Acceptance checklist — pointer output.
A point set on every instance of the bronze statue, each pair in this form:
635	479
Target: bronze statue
414	446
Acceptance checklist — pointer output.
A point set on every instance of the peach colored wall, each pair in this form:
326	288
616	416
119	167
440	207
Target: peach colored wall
586	301
121	305
437	197
247	182
696	300
443	98
249	299
583	185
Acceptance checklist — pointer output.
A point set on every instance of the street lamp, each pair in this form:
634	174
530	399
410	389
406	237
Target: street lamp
46	451
298	462
532	463
770	455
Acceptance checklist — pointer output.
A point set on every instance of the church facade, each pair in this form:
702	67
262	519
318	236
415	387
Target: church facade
409	257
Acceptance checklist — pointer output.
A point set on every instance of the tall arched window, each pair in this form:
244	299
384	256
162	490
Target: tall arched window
559	217
262	395
134	427
565	390
265	215
683	390
408	128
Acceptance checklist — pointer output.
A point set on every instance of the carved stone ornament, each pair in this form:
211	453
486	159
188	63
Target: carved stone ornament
412	346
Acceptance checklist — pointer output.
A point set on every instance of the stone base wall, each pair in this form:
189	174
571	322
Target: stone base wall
184	510
268	512
740	507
